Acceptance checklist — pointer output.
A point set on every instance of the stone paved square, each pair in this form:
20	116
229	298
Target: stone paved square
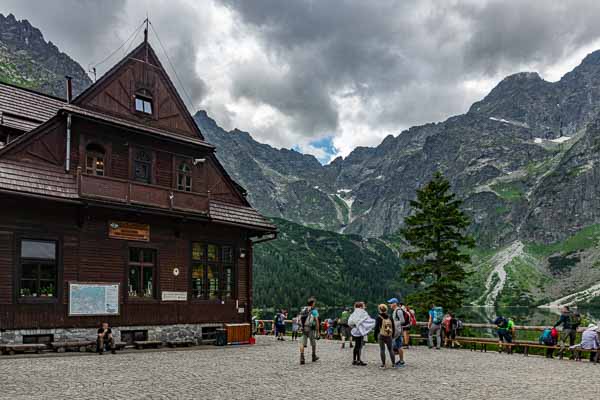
270	370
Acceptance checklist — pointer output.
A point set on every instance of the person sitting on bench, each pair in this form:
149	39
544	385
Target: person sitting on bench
105	339
589	341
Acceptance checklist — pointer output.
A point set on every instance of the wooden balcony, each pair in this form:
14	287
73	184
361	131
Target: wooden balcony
134	193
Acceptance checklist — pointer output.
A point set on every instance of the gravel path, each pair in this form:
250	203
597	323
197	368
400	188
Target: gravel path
270	370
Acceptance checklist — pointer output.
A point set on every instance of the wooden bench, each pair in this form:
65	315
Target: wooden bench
181	343
526	345
75	345
12	349
475	342
417	338
578	352
120	345
142	344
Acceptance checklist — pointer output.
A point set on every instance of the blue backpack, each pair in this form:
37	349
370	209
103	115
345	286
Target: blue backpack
547	338
438	315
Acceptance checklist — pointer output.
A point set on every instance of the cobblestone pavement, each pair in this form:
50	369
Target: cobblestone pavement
270	370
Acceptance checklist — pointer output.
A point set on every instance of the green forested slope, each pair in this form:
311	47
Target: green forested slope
338	268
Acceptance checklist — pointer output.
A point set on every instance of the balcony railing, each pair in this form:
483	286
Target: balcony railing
134	193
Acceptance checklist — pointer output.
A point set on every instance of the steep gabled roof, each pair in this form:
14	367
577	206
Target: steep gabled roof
142	51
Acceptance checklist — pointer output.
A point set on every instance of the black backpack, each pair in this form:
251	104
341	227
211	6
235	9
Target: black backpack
575	320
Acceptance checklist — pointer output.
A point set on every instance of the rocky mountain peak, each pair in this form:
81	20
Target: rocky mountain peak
592	59
28	60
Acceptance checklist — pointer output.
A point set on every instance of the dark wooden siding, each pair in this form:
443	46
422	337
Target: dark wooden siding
6	267
88	255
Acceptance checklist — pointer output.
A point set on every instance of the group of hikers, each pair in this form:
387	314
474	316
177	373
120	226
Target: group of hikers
570	321
354	326
391	329
392	326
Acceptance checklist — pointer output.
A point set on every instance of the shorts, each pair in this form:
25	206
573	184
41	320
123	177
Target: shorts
345	331
309	335
398	342
280	329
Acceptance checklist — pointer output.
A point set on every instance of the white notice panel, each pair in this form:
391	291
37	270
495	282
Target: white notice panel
174	296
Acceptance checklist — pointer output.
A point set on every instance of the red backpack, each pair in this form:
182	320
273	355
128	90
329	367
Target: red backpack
554	333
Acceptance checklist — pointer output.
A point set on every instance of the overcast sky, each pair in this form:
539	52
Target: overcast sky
327	76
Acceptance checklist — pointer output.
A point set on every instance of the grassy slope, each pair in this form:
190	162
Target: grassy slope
543	269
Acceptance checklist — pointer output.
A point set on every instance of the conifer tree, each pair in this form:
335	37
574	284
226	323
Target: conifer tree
436	236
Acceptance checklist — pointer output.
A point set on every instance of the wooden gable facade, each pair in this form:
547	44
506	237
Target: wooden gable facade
113	192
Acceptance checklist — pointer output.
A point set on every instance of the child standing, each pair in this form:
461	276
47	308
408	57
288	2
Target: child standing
295	327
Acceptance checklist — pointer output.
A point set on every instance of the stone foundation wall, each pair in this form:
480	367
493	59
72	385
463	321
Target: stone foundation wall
164	333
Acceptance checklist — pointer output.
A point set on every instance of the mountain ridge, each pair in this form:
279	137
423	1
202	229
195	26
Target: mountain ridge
525	160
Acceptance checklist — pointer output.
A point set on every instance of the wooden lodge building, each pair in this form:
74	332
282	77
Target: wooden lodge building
114	208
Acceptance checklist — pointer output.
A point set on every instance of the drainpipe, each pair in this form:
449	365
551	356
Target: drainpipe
68	145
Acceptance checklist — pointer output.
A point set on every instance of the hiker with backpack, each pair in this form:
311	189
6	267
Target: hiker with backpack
505	330
413	323
450	324
401	320
344	327
570	321
549	337
361	324
309	323
384	334
279	324
436	316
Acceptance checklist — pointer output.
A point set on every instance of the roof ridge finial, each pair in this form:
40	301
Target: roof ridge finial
147	21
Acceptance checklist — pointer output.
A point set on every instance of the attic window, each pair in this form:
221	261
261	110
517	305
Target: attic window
143	104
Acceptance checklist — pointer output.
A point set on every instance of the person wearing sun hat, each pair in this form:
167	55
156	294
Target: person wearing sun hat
589	341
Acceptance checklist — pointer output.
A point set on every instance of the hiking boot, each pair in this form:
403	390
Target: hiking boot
113	352
315	358
382	366
355	362
362	364
302	360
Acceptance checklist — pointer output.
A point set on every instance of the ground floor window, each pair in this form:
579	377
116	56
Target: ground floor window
141	272
38	268
212	271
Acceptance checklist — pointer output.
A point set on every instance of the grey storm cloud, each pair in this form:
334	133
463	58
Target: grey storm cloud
90	30
408	57
407	61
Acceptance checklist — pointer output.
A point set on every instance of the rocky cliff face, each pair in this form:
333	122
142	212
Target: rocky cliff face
503	158
27	60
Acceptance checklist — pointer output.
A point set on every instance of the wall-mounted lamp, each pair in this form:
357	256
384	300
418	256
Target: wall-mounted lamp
198	161
243	253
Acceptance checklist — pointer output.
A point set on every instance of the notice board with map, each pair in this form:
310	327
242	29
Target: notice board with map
87	299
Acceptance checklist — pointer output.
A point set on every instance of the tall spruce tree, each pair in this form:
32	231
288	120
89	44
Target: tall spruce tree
436	236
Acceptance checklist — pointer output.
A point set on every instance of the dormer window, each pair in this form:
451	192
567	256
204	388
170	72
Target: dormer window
94	159
143	104
184	178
